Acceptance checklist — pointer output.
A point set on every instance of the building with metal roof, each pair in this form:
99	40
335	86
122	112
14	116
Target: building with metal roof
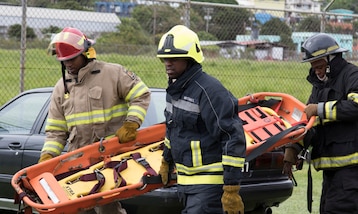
91	23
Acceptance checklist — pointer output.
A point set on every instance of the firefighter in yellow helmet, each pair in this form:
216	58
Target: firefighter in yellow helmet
204	138
93	100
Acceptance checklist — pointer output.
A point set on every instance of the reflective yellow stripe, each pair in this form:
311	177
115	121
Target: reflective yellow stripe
53	147
97	115
353	97
233	161
167	142
200	179
56	125
330	110
196	153
137	111
214	167
139	89
334	162
323	51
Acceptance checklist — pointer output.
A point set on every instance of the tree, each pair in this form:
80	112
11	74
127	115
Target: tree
281	29
279	26
222	22
343	4
15	32
156	19
310	24
129	32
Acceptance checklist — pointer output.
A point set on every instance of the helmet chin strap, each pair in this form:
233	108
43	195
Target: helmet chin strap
63	70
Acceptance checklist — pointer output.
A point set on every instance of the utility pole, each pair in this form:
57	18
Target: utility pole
323	18
207	17
187	14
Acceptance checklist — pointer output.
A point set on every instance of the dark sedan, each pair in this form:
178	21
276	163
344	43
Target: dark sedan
22	123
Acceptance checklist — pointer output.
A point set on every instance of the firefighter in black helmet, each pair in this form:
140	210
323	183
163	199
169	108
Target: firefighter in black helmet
334	137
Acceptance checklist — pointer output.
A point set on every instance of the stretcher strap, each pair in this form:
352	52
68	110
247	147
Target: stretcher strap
138	158
118	167
96	175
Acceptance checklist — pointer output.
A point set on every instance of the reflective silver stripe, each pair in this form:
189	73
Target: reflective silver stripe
169	107
187	106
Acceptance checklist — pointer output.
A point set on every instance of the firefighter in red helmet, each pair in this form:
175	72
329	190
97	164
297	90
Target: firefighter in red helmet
93	100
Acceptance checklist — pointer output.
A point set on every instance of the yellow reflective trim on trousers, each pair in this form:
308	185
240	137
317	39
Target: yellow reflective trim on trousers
137	111
53	147
139	89
167	142
200	179
233	161
214	167
56	125
353	97
335	162
97	115
330	110
196	153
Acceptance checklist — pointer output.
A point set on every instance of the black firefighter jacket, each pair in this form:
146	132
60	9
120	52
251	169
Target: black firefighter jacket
205	137
335	143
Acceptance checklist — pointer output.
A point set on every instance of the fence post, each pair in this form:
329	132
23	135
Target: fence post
23	46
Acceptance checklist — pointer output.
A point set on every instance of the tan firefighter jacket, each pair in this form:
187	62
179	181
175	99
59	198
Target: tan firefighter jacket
102	96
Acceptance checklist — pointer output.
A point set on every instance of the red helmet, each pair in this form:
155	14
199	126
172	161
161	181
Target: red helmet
71	42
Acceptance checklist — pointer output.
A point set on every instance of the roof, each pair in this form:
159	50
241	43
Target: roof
37	17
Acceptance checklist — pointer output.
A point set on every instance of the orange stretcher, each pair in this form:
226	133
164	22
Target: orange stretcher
107	171
94	175
272	120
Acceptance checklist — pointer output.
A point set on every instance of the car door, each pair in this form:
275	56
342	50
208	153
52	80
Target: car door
19	124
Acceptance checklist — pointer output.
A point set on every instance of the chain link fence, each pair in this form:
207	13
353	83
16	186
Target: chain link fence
249	49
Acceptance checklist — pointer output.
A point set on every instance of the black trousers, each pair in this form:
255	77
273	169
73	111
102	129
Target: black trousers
201	199
340	191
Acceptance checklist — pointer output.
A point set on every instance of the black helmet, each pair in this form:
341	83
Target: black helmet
318	46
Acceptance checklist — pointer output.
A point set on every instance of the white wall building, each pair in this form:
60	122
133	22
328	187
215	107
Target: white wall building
91	23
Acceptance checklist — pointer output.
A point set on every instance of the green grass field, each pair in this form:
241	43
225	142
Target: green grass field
239	76
297	203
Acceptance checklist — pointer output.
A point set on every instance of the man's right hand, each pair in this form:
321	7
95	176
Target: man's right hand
45	157
290	159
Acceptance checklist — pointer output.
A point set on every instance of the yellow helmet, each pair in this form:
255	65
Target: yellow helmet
180	41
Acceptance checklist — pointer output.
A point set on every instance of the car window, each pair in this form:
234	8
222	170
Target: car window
19	116
155	113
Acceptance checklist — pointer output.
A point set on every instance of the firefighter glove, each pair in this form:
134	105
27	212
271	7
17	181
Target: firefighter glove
164	171
289	159
231	200
127	132
45	157
311	110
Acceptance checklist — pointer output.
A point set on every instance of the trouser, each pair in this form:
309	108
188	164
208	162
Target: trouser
203	199
340	191
112	208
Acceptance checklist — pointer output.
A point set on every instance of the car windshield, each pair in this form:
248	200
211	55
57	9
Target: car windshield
19	116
